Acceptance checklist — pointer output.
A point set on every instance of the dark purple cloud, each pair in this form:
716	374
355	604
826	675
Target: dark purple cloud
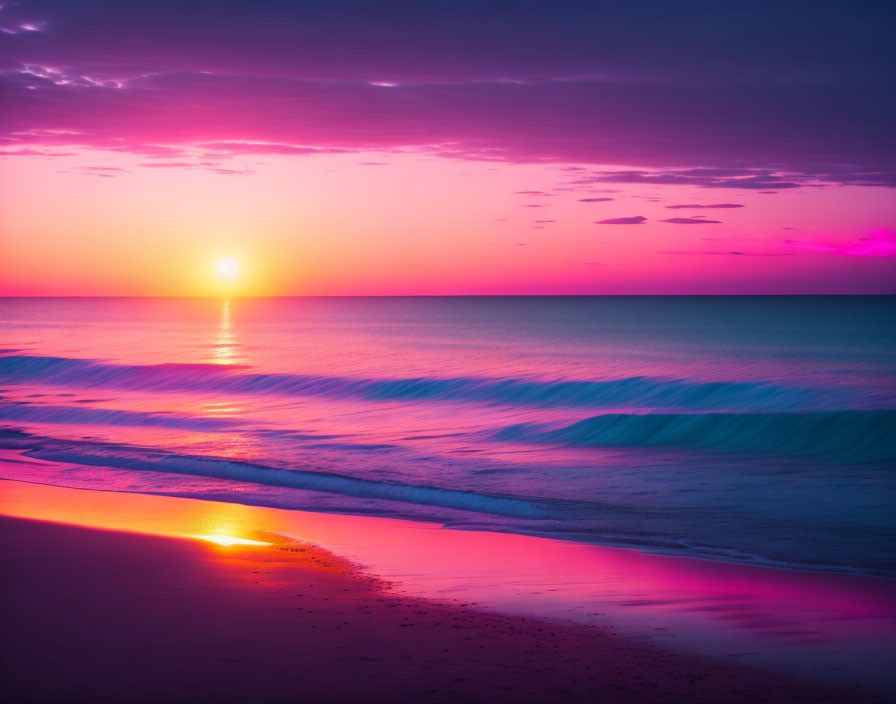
237	147
691	221
733	253
99	168
594	200
713	205
175	164
711	85
34	152
634	220
705	177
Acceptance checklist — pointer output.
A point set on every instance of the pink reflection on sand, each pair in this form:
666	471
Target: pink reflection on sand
816	625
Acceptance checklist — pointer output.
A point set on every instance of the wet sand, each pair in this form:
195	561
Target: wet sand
107	616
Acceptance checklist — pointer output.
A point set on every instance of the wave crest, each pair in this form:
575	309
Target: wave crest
638	391
134	458
856	436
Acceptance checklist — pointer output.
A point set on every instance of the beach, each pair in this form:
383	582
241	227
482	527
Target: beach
106	615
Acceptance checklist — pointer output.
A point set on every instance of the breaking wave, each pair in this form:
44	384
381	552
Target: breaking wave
629	392
856	436
110	416
132	458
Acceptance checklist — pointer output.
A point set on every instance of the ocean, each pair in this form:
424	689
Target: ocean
750	429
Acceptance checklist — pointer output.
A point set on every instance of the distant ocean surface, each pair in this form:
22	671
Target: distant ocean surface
753	429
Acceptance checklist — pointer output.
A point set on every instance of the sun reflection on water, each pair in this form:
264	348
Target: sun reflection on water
225	344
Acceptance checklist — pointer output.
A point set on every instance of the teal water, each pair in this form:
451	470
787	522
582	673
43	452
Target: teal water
753	429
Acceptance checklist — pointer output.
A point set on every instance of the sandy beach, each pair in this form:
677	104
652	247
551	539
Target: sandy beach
108	616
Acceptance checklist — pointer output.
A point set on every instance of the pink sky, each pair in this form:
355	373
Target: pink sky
106	223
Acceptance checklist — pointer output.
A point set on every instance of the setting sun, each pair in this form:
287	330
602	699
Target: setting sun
228	266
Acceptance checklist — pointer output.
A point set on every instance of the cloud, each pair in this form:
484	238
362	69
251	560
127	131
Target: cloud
746	178
23	28
733	253
715	205
301	118
691	221
174	164
594	200
544	221
634	220
878	243
34	152
235	147
99	168
594	84
105	171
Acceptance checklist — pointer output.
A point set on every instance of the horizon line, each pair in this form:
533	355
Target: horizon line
481	295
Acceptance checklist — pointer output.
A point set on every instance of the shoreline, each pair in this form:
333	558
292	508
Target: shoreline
11	457
100	615
802	631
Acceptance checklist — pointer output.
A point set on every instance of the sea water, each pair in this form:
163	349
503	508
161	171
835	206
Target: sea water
750	429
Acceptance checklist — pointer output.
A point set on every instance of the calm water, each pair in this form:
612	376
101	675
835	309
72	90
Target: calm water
747	429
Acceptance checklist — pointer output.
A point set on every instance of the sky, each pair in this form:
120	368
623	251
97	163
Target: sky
437	148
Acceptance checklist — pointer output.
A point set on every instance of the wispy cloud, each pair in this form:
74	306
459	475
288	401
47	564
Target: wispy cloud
877	243
732	253
745	178
634	220
713	205
691	221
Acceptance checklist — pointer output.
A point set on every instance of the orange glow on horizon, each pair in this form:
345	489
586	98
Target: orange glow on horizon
416	226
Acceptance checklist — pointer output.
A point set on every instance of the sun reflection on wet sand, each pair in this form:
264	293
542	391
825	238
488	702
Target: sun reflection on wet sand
229	540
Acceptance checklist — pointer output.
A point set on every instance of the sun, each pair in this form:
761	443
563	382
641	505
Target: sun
228	267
